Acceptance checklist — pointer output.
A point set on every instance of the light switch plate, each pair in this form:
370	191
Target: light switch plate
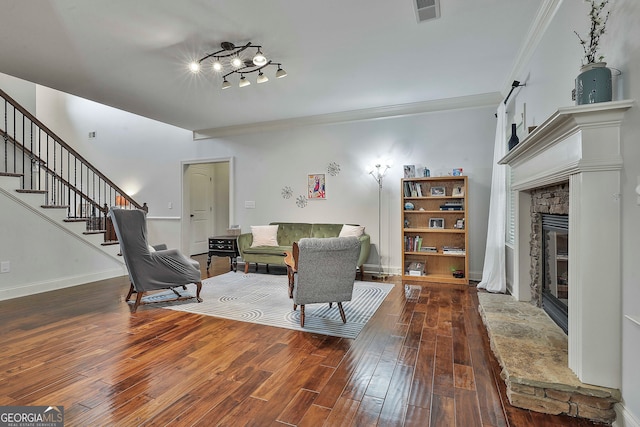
5	266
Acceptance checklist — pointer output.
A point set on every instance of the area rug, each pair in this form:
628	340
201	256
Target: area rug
264	299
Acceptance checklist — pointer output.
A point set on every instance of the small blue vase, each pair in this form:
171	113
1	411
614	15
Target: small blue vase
593	84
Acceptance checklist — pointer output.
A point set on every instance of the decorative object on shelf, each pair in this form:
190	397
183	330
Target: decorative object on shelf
287	192
316	186
437	191
378	172
457	172
301	201
232	59
459	224
333	169
458	191
436	222
593	84
409	171
513	141
426	172
408	206
458	274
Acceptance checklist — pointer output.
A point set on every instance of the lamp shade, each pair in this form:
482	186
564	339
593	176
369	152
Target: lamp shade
262	78
244	82
280	73
259	59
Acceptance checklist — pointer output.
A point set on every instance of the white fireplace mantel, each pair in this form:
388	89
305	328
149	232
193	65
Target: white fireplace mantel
581	145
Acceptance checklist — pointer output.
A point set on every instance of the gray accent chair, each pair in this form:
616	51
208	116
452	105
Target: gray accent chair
325	272
151	270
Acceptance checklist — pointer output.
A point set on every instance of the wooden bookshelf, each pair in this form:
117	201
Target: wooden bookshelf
438	208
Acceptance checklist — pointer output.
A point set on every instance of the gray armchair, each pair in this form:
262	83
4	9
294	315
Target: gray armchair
151	270
325	271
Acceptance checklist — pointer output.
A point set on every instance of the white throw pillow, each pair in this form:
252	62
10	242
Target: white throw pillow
351	230
151	248
264	235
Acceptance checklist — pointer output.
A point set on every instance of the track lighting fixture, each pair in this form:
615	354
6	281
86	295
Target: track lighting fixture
232	59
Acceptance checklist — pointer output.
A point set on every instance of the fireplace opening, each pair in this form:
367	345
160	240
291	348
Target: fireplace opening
555	268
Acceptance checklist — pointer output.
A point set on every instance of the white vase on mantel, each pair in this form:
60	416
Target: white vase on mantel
593	84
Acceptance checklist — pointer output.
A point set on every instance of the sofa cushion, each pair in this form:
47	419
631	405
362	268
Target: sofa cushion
264	235
325	230
351	230
289	232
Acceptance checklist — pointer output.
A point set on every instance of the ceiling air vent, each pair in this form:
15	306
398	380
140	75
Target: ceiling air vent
427	10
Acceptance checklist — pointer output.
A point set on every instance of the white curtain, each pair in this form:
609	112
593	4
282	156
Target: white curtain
493	273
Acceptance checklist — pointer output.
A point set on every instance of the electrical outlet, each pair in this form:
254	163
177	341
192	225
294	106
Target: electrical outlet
5	266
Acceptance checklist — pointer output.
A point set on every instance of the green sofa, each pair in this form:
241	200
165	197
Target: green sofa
289	232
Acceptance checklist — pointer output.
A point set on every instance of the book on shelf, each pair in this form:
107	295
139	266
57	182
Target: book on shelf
428	249
412	243
453	250
450	208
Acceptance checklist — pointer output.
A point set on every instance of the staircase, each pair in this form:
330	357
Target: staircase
41	171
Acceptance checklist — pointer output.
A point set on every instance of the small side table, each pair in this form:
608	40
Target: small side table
224	246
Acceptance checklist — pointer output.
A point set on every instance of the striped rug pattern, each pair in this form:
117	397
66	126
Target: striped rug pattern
263	299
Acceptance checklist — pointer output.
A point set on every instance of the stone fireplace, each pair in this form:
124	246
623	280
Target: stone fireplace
550	251
577	148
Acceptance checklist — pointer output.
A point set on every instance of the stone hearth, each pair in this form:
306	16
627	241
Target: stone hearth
532	351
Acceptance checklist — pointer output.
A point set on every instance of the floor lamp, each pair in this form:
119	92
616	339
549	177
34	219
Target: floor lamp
378	174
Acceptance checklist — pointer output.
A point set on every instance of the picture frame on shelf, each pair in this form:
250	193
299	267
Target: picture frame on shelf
459	224
437	191
409	171
436	222
458	191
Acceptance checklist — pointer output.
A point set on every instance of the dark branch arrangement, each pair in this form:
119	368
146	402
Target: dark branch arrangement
598	26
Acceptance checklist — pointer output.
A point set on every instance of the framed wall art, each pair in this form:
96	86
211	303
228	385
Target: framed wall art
316	186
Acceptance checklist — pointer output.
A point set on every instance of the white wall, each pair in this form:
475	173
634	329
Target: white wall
144	156
549	78
44	256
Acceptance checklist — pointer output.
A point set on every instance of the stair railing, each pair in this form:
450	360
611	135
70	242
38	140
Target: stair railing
48	165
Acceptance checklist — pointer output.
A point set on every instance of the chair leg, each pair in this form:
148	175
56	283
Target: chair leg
330	304
361	272
198	289
302	316
129	294
267	268
246	267
344	317
137	303
256	267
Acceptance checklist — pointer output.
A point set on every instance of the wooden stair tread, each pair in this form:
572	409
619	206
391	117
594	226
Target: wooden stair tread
94	231
54	206
20	190
18	175
110	242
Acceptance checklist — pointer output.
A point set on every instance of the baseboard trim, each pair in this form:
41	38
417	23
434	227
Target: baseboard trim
59	283
624	418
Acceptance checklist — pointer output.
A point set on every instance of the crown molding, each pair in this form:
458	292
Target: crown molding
464	102
546	12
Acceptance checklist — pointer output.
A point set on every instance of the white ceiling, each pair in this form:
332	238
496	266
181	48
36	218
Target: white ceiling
340	55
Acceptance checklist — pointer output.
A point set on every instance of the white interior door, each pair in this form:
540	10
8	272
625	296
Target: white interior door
201	207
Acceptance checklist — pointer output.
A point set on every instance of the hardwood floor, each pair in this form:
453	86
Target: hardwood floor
423	360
